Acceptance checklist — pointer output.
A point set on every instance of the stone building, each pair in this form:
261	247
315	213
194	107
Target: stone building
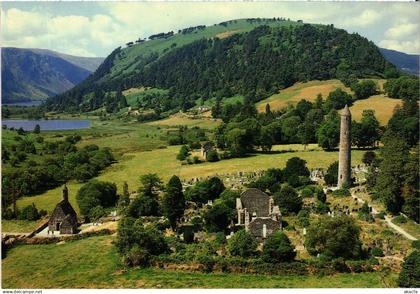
206	147
64	218
344	157
257	213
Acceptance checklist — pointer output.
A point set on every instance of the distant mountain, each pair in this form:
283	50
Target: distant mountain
36	74
406	62
254	58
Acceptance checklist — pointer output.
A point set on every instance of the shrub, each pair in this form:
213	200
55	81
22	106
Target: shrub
188	235
207	261
96	213
303	218
217	217
183	153
415	244
376	251
320	195
242	244
341	192
137	257
29	212
400	219
212	156
96	193
334	237
307	192
410	272
288	200
381	215
277	248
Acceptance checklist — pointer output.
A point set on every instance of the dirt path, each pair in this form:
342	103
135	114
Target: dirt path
388	220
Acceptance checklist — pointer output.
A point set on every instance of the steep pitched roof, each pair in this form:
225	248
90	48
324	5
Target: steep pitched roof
255	200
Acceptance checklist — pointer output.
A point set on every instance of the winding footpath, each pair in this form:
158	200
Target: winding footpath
388	220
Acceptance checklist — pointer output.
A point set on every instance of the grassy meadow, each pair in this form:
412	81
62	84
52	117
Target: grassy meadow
163	162
94	263
299	91
382	105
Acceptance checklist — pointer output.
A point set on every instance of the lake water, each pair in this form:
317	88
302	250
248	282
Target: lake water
47	125
26	103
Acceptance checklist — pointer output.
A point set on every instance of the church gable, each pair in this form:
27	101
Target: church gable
256	201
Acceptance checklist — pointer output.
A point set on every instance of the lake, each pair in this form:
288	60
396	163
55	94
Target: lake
47	125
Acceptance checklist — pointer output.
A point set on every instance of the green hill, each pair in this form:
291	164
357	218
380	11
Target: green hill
250	57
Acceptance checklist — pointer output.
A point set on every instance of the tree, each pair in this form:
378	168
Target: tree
37	129
242	244
390	179
236	141
337	99
410	271
288	200
173	202
228	197
368	157
328	133
205	190
151	184
184	152
266	138
96	193
277	248
334	237
290	130
331	177
367	132
124	199
295	166
267	108
217	217
364	89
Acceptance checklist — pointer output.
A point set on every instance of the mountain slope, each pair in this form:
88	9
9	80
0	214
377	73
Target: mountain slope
406	62
253	58
36	74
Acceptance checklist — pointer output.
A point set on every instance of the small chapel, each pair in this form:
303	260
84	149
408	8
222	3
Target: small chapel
64	217
258	214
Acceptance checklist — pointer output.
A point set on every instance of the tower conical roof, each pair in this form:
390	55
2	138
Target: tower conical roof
346	111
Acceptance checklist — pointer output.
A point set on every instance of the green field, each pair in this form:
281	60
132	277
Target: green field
94	263
382	105
163	162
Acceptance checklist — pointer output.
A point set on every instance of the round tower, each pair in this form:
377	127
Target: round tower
344	157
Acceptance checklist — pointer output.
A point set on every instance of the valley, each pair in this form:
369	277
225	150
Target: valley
252	153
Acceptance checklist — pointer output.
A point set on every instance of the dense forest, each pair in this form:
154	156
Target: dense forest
211	67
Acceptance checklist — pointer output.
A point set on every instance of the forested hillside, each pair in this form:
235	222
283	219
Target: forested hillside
35	74
255	63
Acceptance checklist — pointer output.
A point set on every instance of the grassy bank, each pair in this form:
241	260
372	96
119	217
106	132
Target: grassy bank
94	263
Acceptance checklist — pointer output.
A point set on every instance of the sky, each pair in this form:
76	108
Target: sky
96	28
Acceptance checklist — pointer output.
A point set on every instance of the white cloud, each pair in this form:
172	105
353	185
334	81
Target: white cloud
409	46
402	31
97	28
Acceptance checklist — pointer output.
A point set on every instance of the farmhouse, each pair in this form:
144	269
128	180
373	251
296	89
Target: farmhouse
257	213
64	218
